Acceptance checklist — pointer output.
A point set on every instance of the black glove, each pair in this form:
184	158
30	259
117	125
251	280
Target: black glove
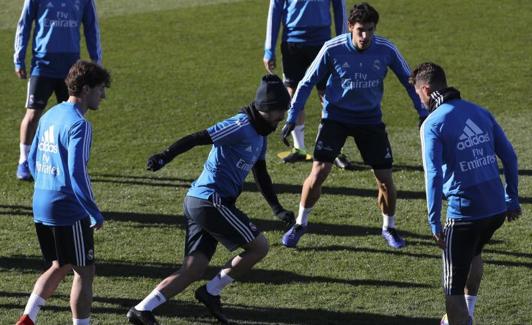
287	129
286	216
421	120
156	162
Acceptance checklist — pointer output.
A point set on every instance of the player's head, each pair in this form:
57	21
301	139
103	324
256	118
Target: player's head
427	78
87	81
272	99
362	20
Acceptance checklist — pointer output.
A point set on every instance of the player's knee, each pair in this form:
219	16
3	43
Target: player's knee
261	247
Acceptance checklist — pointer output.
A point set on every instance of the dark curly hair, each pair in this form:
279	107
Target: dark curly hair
363	13
86	73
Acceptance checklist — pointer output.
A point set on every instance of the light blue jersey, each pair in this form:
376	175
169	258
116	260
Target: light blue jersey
460	145
304	21
235	150
355	85
58	162
56	35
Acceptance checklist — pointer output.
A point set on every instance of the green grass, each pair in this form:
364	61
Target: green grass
179	67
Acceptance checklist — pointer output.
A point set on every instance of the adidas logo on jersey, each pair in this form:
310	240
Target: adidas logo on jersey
346	65
472	136
47	144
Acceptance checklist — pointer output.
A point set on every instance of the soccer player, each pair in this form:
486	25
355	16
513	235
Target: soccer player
64	210
460	145
56	47
211	217
356	63
306	26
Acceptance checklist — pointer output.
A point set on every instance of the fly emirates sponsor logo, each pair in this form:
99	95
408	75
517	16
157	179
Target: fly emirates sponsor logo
47	146
471	138
360	81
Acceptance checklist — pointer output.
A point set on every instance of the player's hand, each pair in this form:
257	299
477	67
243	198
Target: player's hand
269	65
97	226
286	216
512	215
156	162
439	239
285	132
21	73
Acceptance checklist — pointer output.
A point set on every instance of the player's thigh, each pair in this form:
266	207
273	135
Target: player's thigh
61	90
486	229
294	63
329	141
374	146
72	244
461	239
39	91
197	239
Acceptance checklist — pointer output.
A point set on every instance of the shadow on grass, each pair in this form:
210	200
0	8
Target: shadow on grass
238	314
280	188
162	270
405	252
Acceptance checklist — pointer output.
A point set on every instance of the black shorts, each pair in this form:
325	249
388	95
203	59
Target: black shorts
41	88
67	244
297	58
371	140
463	241
211	221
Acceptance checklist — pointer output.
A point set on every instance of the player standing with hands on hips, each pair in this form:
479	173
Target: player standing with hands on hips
211	217
460	145
356	64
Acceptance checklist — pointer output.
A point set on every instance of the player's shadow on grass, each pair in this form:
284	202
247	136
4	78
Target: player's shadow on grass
161	270
237	313
280	188
404	252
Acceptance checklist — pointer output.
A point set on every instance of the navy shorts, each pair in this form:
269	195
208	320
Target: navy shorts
463	241
41	88
371	140
215	220
297	57
67	244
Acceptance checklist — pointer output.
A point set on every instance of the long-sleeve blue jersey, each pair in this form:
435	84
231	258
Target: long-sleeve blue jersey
58	162
236	148
355	84
304	21
460	145
56	36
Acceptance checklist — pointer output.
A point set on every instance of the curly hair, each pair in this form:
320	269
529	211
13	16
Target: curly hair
86	73
363	13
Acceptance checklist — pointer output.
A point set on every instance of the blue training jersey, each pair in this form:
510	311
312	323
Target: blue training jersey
235	150
460	145
58	162
355	83
304	21
56	36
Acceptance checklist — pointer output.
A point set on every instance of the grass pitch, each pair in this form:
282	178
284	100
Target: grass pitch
180	66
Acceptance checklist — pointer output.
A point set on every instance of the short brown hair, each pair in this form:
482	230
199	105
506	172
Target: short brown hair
429	73
86	73
363	13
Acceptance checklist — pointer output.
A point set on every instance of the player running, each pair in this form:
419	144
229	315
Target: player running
211	217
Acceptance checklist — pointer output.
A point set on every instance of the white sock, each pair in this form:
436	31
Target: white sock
33	306
152	301
302	215
220	281
24	151
84	321
299	137
470	302
388	221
